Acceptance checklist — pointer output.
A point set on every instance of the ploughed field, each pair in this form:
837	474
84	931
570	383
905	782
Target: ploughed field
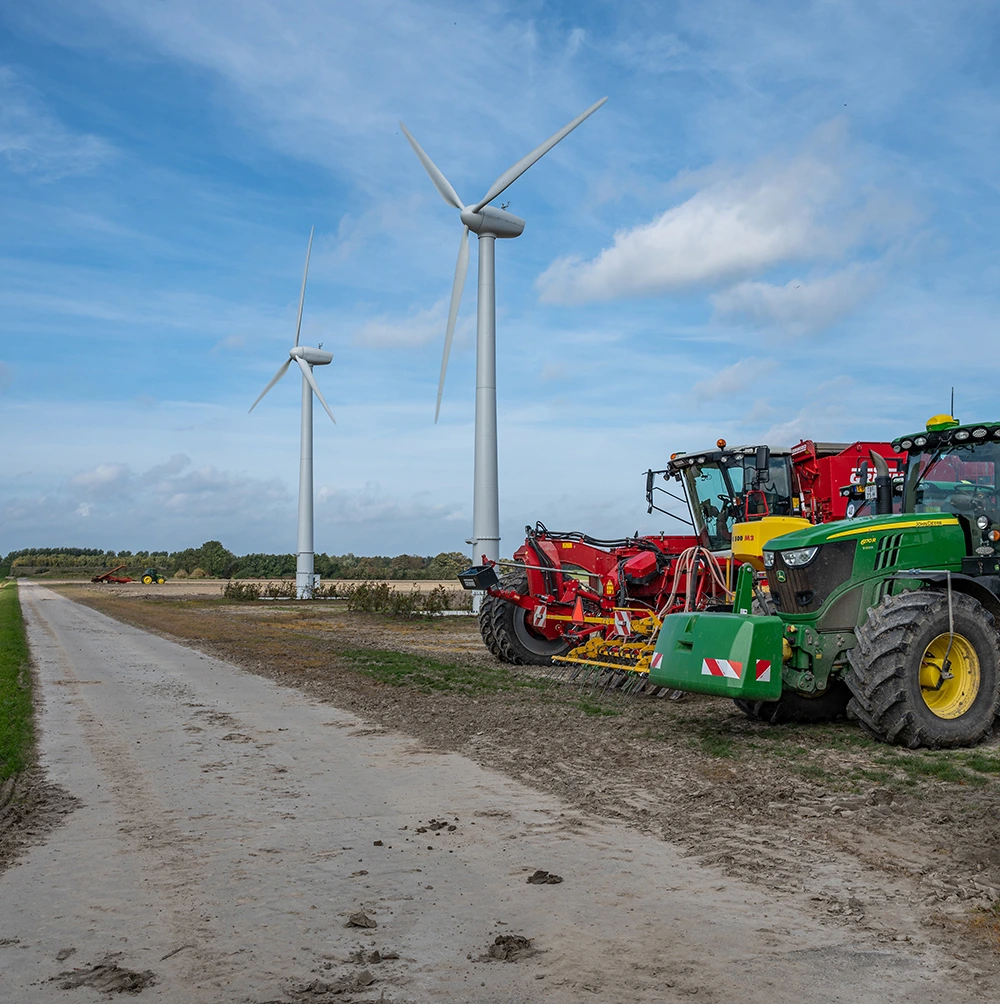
903	844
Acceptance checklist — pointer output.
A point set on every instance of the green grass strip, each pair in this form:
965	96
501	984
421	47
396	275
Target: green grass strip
16	731
402	669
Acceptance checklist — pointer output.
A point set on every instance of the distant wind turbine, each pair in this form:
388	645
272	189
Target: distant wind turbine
488	223
307	358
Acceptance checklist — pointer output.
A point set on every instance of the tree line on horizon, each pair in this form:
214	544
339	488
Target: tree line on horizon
214	560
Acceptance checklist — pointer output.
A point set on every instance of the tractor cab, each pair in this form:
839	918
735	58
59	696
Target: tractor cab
730	485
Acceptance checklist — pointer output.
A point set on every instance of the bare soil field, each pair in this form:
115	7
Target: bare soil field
200	588
902	845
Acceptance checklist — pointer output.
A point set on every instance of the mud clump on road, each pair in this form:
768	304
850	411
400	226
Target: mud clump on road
361	919
509	948
540	877
30	808
108	978
344	984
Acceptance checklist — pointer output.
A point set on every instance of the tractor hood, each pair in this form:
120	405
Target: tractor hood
852	529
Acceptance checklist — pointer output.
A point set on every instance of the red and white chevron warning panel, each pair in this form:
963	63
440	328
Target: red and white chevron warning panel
722	667
763	670
539	615
657	658
623	623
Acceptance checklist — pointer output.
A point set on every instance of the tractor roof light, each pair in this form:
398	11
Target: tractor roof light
701	460
938	423
721	444
906	444
962	435
980	433
920	441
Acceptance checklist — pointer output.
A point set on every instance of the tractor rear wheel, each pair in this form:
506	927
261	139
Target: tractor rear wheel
147	580
507	632
916	680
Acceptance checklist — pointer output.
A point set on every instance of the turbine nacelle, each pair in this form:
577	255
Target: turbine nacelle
315	357
492	222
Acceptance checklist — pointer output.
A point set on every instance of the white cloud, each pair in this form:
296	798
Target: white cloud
103	481
735	227
420	328
33	141
800	306
83	509
742	376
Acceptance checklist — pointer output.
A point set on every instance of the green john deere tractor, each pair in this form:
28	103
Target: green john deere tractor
892	618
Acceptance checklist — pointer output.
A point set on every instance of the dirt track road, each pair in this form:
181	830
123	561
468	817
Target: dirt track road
232	822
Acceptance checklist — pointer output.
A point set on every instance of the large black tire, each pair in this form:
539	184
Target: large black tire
900	650
507	632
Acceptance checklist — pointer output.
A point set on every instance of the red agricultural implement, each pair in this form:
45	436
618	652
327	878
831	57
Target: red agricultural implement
110	576
596	603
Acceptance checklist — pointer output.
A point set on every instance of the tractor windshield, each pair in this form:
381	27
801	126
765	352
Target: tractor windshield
723	491
959	478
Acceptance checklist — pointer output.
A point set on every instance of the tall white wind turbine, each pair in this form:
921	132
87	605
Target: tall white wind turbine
307	358
488	223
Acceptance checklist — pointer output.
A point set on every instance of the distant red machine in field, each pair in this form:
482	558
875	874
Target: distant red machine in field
567	588
109	576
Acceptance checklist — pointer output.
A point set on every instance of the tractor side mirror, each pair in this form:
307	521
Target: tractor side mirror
649	490
762	464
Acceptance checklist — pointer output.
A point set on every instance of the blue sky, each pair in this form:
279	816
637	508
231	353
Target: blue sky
783	223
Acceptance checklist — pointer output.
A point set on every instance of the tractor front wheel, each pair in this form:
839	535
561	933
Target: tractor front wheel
793	707
921	678
507	632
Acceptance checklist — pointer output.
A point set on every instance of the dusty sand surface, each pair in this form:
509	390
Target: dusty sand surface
219	810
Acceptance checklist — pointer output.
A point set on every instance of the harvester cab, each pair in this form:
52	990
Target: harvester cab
727	486
891	616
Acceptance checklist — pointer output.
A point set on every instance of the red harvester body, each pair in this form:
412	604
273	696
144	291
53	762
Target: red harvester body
566	588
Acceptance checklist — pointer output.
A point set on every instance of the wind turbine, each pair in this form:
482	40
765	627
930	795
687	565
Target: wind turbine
307	358
488	223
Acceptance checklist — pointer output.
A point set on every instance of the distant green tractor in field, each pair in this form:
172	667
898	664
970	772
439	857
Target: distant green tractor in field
892	618
151	575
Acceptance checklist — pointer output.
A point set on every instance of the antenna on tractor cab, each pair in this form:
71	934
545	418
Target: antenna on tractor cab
952	412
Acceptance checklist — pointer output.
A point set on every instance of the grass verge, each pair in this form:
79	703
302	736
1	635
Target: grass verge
16	733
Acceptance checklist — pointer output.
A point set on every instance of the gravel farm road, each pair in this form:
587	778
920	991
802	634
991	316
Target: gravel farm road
230	827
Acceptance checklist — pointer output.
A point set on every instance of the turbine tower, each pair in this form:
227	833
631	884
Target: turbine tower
488	223
307	358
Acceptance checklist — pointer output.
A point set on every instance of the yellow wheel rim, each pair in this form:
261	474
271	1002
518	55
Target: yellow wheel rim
949	697
147	579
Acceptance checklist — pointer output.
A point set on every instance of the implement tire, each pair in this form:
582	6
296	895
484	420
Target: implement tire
899	693
507	633
793	707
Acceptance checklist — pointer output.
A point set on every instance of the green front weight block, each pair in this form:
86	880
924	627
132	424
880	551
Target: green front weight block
724	654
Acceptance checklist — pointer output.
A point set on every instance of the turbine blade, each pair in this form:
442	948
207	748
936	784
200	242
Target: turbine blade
277	376
441	183
512	174
311	380
461	267
302	295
